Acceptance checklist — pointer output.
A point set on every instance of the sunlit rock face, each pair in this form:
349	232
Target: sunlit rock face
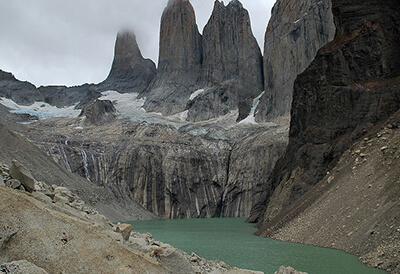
296	31
179	62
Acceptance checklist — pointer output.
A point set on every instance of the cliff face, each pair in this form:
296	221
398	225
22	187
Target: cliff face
232	64
179	62
353	84
130	72
296	31
170	172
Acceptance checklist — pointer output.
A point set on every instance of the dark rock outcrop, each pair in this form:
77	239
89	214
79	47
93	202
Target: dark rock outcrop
353	84
296	31
99	112
62	96
230	53
179	62
130	72
23	93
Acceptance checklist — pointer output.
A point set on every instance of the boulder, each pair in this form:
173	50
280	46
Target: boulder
63	195
6	233
21	267
125	230
13	183
42	197
288	270
19	172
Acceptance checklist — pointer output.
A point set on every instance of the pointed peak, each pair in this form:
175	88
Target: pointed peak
126	34
235	3
219	3
126	45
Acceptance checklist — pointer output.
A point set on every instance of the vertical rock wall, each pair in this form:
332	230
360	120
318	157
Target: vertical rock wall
296	31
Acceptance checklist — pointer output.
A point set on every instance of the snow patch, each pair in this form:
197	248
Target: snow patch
129	106
196	94
41	110
251	119
181	116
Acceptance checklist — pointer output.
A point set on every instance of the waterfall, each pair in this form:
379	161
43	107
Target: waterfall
85	164
65	158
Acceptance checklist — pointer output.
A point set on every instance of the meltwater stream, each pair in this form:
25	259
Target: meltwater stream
233	241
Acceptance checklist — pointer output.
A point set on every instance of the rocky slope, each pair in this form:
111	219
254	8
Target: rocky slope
15	146
296	31
356	206
352	85
54	232
232	64
130	72
179	62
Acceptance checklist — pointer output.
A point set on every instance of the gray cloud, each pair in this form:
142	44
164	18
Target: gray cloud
71	42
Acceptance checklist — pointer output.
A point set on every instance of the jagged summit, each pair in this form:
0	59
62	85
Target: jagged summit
130	72
235	3
232	64
6	75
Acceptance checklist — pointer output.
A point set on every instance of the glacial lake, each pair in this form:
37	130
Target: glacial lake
233	241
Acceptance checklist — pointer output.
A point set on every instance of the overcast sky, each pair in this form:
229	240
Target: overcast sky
71	42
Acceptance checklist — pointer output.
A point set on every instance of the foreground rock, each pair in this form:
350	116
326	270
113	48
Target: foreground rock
23	175
288	270
296	31
60	237
21	267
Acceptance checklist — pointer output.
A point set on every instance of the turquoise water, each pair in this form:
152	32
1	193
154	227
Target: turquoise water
233	241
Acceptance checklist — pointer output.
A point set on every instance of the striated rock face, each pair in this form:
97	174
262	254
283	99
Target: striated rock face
99	112
179	62
230	50
296	31
130	72
174	173
250	164
353	84
230	53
